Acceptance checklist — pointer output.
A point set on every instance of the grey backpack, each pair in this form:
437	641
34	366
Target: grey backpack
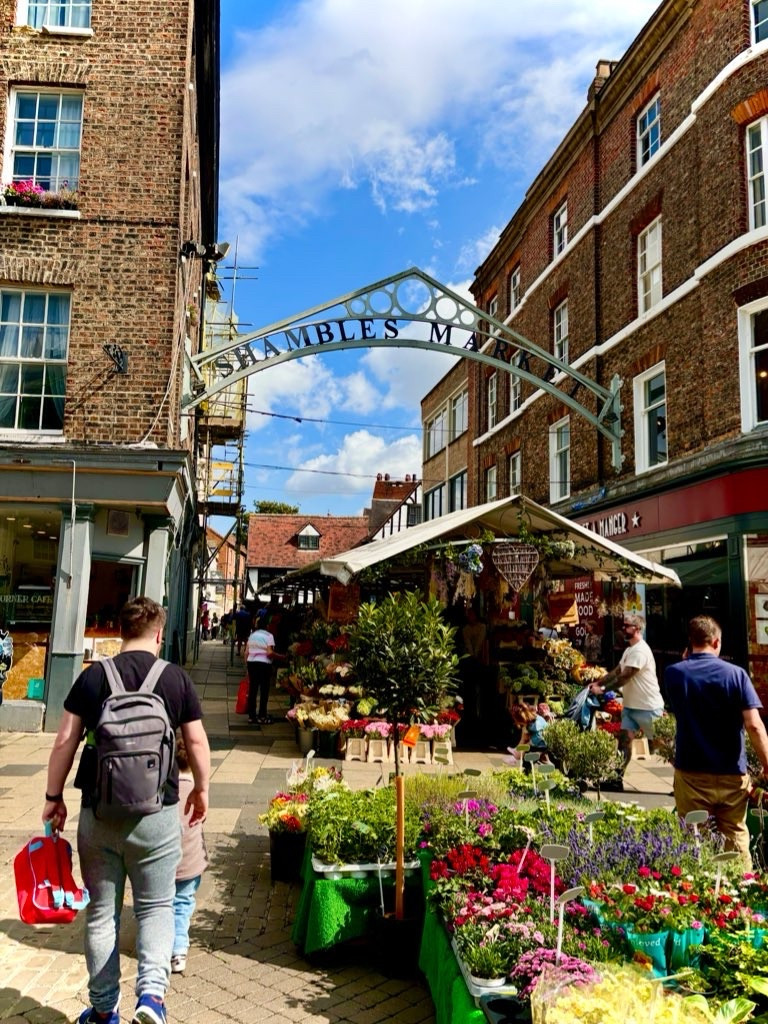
135	747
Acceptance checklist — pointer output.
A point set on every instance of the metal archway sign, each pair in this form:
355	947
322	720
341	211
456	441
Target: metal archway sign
408	310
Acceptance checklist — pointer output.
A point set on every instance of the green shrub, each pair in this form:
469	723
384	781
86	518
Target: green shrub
588	757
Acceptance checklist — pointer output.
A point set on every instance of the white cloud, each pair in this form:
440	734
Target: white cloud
336	93
361	455
308	388
474	252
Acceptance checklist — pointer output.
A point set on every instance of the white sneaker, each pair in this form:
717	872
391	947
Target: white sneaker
178	963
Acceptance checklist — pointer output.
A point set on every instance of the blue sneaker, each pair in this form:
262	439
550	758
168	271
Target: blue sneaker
91	1016
149	1010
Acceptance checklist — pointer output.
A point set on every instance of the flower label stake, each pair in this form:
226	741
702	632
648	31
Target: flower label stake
562	899
466	795
525	851
694	819
532	757
722	858
546	785
553	853
590	819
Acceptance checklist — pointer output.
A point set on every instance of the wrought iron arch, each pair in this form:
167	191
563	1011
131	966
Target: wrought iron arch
378	315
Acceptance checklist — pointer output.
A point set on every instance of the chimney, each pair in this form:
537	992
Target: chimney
602	74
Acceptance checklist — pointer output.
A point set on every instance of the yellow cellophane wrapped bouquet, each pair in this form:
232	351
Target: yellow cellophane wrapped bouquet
621	995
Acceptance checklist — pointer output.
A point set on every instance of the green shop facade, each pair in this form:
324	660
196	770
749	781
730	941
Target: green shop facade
81	532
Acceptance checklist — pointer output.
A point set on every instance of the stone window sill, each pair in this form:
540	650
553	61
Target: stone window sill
55	30
39	211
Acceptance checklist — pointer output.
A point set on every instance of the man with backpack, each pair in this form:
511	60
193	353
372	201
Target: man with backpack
129	708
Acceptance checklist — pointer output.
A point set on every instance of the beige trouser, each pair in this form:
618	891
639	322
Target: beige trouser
722	796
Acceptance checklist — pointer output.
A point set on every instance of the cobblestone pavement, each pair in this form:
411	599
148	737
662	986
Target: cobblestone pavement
242	965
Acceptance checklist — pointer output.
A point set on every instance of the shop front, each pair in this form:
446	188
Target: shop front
78	538
714	534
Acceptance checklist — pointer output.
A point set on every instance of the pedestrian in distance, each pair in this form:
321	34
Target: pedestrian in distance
714	702
635	678
194	860
258	653
243	626
116	843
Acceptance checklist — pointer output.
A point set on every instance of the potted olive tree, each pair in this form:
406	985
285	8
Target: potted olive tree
404	655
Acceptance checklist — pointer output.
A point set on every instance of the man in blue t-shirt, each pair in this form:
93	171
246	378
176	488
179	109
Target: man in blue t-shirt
713	702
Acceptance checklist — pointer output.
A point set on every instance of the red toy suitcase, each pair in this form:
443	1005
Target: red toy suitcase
241	704
46	889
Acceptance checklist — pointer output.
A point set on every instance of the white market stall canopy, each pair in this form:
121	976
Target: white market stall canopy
594	554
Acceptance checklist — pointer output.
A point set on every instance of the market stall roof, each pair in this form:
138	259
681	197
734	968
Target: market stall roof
594	554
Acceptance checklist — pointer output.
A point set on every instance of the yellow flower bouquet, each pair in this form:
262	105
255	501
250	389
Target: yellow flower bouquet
621	995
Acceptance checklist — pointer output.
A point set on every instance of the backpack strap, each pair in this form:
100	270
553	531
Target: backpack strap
113	676
153	676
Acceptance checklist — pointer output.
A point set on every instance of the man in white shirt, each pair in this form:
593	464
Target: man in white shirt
635	678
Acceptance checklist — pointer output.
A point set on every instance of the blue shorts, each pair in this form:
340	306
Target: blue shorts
635	719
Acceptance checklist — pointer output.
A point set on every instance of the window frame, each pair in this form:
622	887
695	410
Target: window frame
436	432
514	289
643	410
515	388
643	134
23	16
56	180
559	459
560	229
491	399
491	483
459	479
560	336
460	401
761	126
515	473
434	498
754	25
747	368
34	328
308	541
648	298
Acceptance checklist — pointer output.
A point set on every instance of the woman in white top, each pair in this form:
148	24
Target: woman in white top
258	661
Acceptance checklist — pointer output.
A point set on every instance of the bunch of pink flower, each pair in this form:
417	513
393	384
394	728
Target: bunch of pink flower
25	189
378	728
490	907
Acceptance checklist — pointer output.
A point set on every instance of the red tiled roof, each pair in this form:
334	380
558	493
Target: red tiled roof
272	539
393	490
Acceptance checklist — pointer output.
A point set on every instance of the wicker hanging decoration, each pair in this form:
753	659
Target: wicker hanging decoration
515	562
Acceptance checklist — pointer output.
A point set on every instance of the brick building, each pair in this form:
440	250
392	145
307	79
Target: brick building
109	172
641	250
278	543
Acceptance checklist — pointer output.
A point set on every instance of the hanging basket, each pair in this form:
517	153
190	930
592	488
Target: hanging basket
515	562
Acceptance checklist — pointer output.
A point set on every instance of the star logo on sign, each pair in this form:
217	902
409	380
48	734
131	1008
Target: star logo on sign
636	520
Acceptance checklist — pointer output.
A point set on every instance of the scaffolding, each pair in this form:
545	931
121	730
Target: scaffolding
220	440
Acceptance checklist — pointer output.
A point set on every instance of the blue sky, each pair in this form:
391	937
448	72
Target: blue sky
359	139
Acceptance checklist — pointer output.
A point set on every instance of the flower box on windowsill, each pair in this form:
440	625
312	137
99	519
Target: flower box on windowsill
39	211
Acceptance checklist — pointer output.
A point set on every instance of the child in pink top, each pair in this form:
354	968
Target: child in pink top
194	860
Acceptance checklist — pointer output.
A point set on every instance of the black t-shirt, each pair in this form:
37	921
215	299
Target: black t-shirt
91	689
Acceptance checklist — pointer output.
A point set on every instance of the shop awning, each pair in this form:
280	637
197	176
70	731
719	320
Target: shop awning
594	554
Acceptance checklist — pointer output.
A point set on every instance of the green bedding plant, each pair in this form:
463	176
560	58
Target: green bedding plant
357	827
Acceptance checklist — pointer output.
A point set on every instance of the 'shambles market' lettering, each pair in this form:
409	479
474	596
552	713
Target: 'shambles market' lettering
335	331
